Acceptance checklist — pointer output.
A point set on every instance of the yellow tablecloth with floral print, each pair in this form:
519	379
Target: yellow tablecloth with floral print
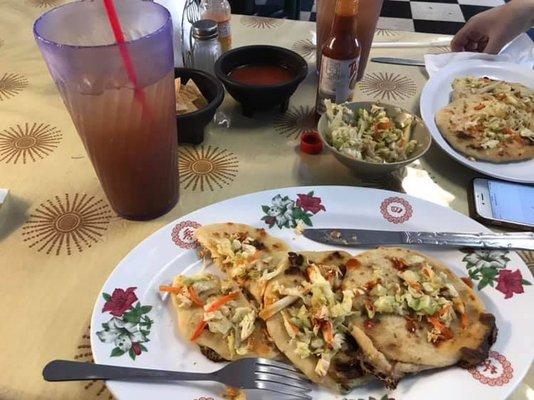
59	238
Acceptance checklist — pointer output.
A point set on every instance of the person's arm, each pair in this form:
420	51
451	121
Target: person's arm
491	30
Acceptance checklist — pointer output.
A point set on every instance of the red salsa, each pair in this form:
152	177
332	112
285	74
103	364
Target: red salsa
261	74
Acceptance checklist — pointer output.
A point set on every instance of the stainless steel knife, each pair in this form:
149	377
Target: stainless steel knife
365	237
398	61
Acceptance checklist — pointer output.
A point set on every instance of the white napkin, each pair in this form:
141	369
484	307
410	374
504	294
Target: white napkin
3	201
3	196
519	51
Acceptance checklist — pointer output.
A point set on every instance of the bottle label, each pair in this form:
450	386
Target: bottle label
224	29
336	82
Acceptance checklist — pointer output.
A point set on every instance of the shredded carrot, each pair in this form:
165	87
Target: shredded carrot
198	330
330	274
479	106
384	125
446	334
293	327
221	302
371	284
231	393
416	286
328	331
444	310
398	264
464	320
427	272
194	296
254	257
436	323
170	289
508	131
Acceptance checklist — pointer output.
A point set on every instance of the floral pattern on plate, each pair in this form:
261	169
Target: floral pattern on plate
129	326
285	212
488	267
183	234
384	397
496	370
158	258
396	210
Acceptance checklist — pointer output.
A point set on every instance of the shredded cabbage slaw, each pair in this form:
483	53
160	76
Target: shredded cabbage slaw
369	135
415	290
222	312
504	112
314	313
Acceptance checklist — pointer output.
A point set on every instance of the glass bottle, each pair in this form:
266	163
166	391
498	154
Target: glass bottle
206	47
368	13
340	56
220	12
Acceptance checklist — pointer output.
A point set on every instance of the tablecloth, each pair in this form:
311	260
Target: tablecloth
59	238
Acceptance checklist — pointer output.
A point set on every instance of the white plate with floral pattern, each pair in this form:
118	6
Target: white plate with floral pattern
132	326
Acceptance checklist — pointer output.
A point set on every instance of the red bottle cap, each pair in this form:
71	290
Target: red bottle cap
311	142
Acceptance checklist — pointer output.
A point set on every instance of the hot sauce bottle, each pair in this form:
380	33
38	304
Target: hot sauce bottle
220	12
340	56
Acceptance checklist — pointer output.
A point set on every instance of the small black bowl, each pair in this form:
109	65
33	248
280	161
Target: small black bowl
254	97
191	125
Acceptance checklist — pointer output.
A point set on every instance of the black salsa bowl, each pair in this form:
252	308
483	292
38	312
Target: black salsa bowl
255	97
191	125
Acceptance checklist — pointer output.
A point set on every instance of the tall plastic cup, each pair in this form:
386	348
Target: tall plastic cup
132	143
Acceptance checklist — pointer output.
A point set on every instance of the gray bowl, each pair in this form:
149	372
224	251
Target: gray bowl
371	169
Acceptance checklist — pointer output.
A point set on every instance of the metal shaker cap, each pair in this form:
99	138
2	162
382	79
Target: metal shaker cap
205	29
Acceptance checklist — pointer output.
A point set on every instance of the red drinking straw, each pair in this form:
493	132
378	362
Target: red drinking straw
127	60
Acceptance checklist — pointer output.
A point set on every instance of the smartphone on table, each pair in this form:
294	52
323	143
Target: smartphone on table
507	204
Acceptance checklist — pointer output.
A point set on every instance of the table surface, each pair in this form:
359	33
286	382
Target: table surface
51	279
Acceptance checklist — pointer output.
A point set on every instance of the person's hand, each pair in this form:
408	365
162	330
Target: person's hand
491	30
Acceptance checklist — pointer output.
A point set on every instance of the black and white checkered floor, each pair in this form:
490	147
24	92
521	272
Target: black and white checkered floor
431	16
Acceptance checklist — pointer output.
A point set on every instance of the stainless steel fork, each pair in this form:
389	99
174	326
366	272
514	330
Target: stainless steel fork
247	373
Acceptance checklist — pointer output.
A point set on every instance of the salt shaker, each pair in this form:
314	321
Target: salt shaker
206	49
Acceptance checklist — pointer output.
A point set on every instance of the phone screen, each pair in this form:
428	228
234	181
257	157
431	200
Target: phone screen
512	202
